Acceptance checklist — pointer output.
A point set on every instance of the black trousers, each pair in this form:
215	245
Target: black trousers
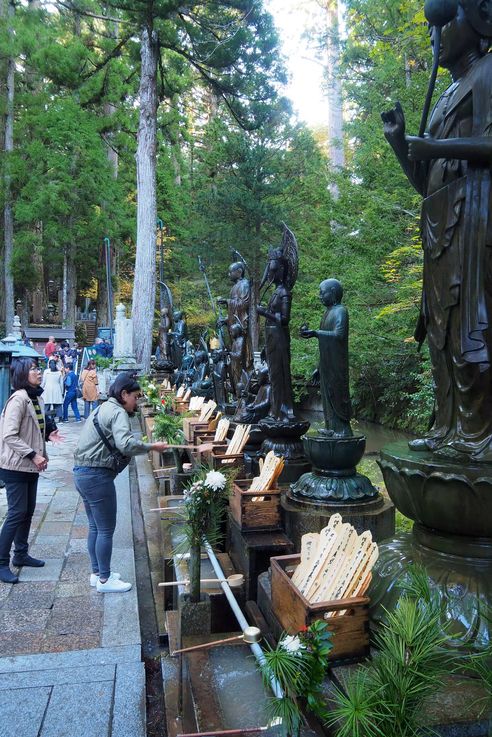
21	490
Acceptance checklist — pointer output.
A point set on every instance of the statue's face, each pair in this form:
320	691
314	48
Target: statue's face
234	273
327	295
457	38
275	271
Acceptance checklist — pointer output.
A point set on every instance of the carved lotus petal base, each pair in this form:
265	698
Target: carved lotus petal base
463	584
439	493
325	488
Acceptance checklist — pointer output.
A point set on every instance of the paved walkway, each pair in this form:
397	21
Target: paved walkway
70	658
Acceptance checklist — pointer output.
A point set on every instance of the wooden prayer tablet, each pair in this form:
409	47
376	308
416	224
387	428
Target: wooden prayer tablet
207	411
222	429
347	618
253	512
270	470
334	564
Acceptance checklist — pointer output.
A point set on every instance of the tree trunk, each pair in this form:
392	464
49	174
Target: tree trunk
145	259
69	288
8	215
335	106
102	308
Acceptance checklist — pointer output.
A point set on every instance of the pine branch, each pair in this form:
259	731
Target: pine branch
88	14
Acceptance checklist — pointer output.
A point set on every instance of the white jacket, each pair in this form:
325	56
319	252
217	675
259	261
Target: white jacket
52	384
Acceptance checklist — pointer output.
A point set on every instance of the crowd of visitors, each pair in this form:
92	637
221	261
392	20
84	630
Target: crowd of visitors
106	445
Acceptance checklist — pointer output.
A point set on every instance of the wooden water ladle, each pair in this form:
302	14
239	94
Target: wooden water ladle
234	580
250	636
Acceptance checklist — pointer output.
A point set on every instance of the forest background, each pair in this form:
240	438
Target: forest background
232	164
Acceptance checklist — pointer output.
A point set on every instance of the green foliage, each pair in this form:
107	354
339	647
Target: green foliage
386	696
102	362
168	427
299	666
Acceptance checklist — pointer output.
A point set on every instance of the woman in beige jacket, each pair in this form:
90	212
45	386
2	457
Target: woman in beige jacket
90	391
24	429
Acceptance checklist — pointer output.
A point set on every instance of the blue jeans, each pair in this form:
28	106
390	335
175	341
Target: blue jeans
96	487
70	399
21	487
89	406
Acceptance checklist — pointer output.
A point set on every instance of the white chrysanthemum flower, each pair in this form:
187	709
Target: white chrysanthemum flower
292	644
152	387
215	480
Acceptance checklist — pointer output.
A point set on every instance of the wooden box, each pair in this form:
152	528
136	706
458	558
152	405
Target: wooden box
220	461
192	424
261	514
294	612
180	406
155	457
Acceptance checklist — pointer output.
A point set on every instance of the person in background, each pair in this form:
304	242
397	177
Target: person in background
99	347
24	430
108	349
55	356
90	391
53	386
64	348
72	354
50	347
95	470
71	385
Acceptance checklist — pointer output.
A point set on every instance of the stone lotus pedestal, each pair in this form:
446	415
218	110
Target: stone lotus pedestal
451	506
284	438
334	477
334	486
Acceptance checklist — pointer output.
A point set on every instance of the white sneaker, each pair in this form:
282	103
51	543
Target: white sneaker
95	577
113	586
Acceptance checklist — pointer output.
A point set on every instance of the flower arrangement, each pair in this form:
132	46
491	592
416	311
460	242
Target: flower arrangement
299	663
205	505
151	392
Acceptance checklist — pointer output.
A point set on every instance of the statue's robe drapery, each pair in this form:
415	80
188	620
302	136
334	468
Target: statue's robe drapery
238	307
277	348
457	283
334	370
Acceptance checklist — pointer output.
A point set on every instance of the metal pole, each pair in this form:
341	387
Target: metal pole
255	648
107	245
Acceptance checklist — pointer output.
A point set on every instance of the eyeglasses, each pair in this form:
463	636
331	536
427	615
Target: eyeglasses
34	368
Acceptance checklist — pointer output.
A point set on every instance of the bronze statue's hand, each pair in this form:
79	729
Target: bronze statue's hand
261	310
306	333
394	123
420	149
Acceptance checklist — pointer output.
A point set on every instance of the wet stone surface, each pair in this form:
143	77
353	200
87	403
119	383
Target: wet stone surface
56	630
53	609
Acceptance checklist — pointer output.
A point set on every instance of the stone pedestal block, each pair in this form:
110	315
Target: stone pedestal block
302	516
195	617
251	552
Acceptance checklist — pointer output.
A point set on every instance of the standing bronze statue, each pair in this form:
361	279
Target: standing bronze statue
281	271
333	360
334	451
163	351
179	338
237	321
446	488
451	168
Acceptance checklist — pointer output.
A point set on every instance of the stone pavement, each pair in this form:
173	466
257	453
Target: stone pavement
70	658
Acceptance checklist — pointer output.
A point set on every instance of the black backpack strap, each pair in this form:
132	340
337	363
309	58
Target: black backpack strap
103	437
